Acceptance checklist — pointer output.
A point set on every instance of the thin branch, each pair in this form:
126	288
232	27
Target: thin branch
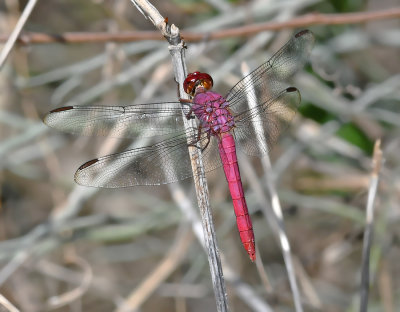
17	30
23	253
275	203
72	295
174	257
177	46
243	291
284	241
369	227
7	304
248	30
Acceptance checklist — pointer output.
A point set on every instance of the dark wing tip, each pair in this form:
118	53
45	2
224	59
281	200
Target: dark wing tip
61	109
88	163
302	33
292	89
49	116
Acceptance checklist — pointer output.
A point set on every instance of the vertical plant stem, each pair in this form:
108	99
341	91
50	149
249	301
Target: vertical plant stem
176	48
201	187
369	227
285	245
276	206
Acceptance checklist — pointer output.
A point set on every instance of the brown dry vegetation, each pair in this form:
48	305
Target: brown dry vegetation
70	248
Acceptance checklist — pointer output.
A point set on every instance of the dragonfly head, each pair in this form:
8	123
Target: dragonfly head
197	80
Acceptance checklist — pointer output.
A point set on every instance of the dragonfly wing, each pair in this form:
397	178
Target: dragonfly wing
118	121
210	153
161	163
257	129
268	80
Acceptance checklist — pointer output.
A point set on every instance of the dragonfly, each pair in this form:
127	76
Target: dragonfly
250	117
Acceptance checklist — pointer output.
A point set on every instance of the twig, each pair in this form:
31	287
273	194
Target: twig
286	250
23	253
119	79
17	29
7	304
324	204
299	22
307	285
83	67
163	270
276	207
368	233
66	210
171	33
244	291
66	298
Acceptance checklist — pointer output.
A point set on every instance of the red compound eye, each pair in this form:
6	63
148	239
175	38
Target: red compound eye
190	83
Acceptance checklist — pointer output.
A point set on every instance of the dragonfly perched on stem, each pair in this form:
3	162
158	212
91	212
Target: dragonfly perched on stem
223	123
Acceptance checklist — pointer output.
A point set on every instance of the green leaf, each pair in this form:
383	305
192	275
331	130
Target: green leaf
351	133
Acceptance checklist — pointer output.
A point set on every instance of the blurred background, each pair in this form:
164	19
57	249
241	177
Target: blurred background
70	248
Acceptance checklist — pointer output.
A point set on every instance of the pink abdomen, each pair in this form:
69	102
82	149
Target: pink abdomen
227	152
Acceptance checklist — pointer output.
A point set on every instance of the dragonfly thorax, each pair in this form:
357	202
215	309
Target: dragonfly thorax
213	112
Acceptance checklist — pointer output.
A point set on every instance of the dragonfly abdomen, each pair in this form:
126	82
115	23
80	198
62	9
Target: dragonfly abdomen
227	152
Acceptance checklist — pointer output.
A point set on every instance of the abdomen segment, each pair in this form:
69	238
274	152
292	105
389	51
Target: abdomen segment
227	152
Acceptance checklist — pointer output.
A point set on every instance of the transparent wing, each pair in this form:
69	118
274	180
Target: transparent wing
258	128
267	81
160	163
118	121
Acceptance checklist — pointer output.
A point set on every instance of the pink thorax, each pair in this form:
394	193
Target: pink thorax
212	110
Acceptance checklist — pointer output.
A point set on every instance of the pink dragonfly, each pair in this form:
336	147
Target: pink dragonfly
261	100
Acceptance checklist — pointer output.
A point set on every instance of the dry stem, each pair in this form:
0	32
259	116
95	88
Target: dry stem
369	227
297	22
171	33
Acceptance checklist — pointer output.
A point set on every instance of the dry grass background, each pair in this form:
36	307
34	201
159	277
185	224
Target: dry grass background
69	248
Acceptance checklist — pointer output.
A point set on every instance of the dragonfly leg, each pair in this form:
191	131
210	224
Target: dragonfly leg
189	115
193	145
190	112
208	141
199	137
185	101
